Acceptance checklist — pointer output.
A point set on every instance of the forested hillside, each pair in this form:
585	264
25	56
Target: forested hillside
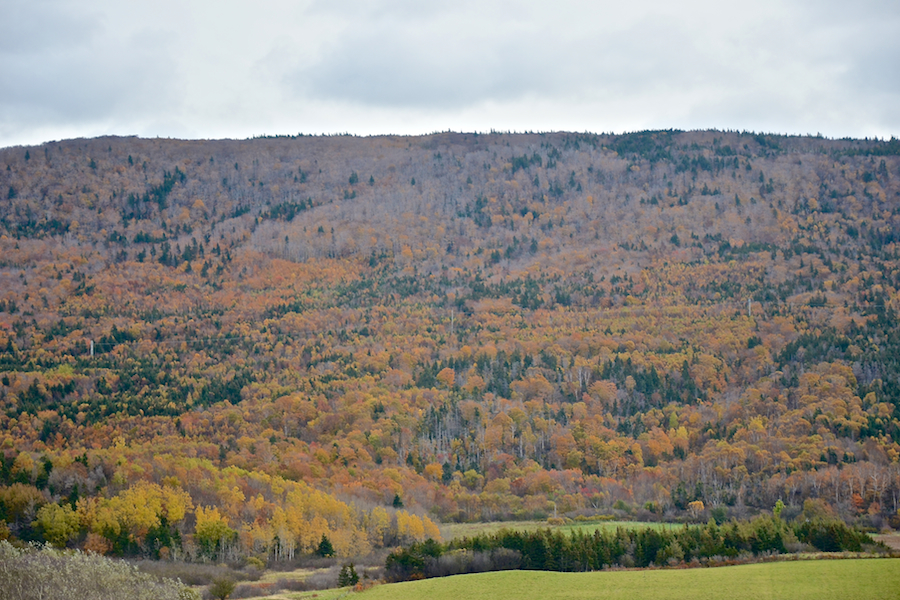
236	347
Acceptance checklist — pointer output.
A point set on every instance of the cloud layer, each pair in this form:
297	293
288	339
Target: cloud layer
214	69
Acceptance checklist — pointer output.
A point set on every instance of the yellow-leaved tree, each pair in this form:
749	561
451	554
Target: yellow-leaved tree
212	533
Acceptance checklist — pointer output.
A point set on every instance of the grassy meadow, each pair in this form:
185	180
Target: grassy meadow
864	579
450	531
891	540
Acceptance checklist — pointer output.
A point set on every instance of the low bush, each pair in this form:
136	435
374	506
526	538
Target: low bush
45	574
196	574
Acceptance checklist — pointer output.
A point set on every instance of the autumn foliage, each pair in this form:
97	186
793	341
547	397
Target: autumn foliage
213	349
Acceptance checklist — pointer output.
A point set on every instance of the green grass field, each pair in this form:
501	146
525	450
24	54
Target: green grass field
451	531
868	579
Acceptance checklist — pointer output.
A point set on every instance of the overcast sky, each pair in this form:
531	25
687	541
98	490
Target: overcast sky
220	68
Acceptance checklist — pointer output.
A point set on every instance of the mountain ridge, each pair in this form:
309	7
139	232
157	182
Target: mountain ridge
475	326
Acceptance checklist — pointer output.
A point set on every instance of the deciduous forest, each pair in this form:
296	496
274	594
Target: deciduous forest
214	349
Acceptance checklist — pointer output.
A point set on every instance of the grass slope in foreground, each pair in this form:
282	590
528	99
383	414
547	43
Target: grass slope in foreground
867	579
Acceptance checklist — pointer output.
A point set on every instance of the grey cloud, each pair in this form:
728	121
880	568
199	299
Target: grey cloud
367	10
40	25
408	67
391	70
874	60
99	66
73	69
773	55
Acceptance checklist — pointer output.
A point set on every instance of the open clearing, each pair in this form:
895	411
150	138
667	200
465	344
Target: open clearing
451	531
867	579
891	540
334	594
271	576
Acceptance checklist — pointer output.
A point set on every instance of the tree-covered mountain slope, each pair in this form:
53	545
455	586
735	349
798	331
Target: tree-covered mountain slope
350	336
